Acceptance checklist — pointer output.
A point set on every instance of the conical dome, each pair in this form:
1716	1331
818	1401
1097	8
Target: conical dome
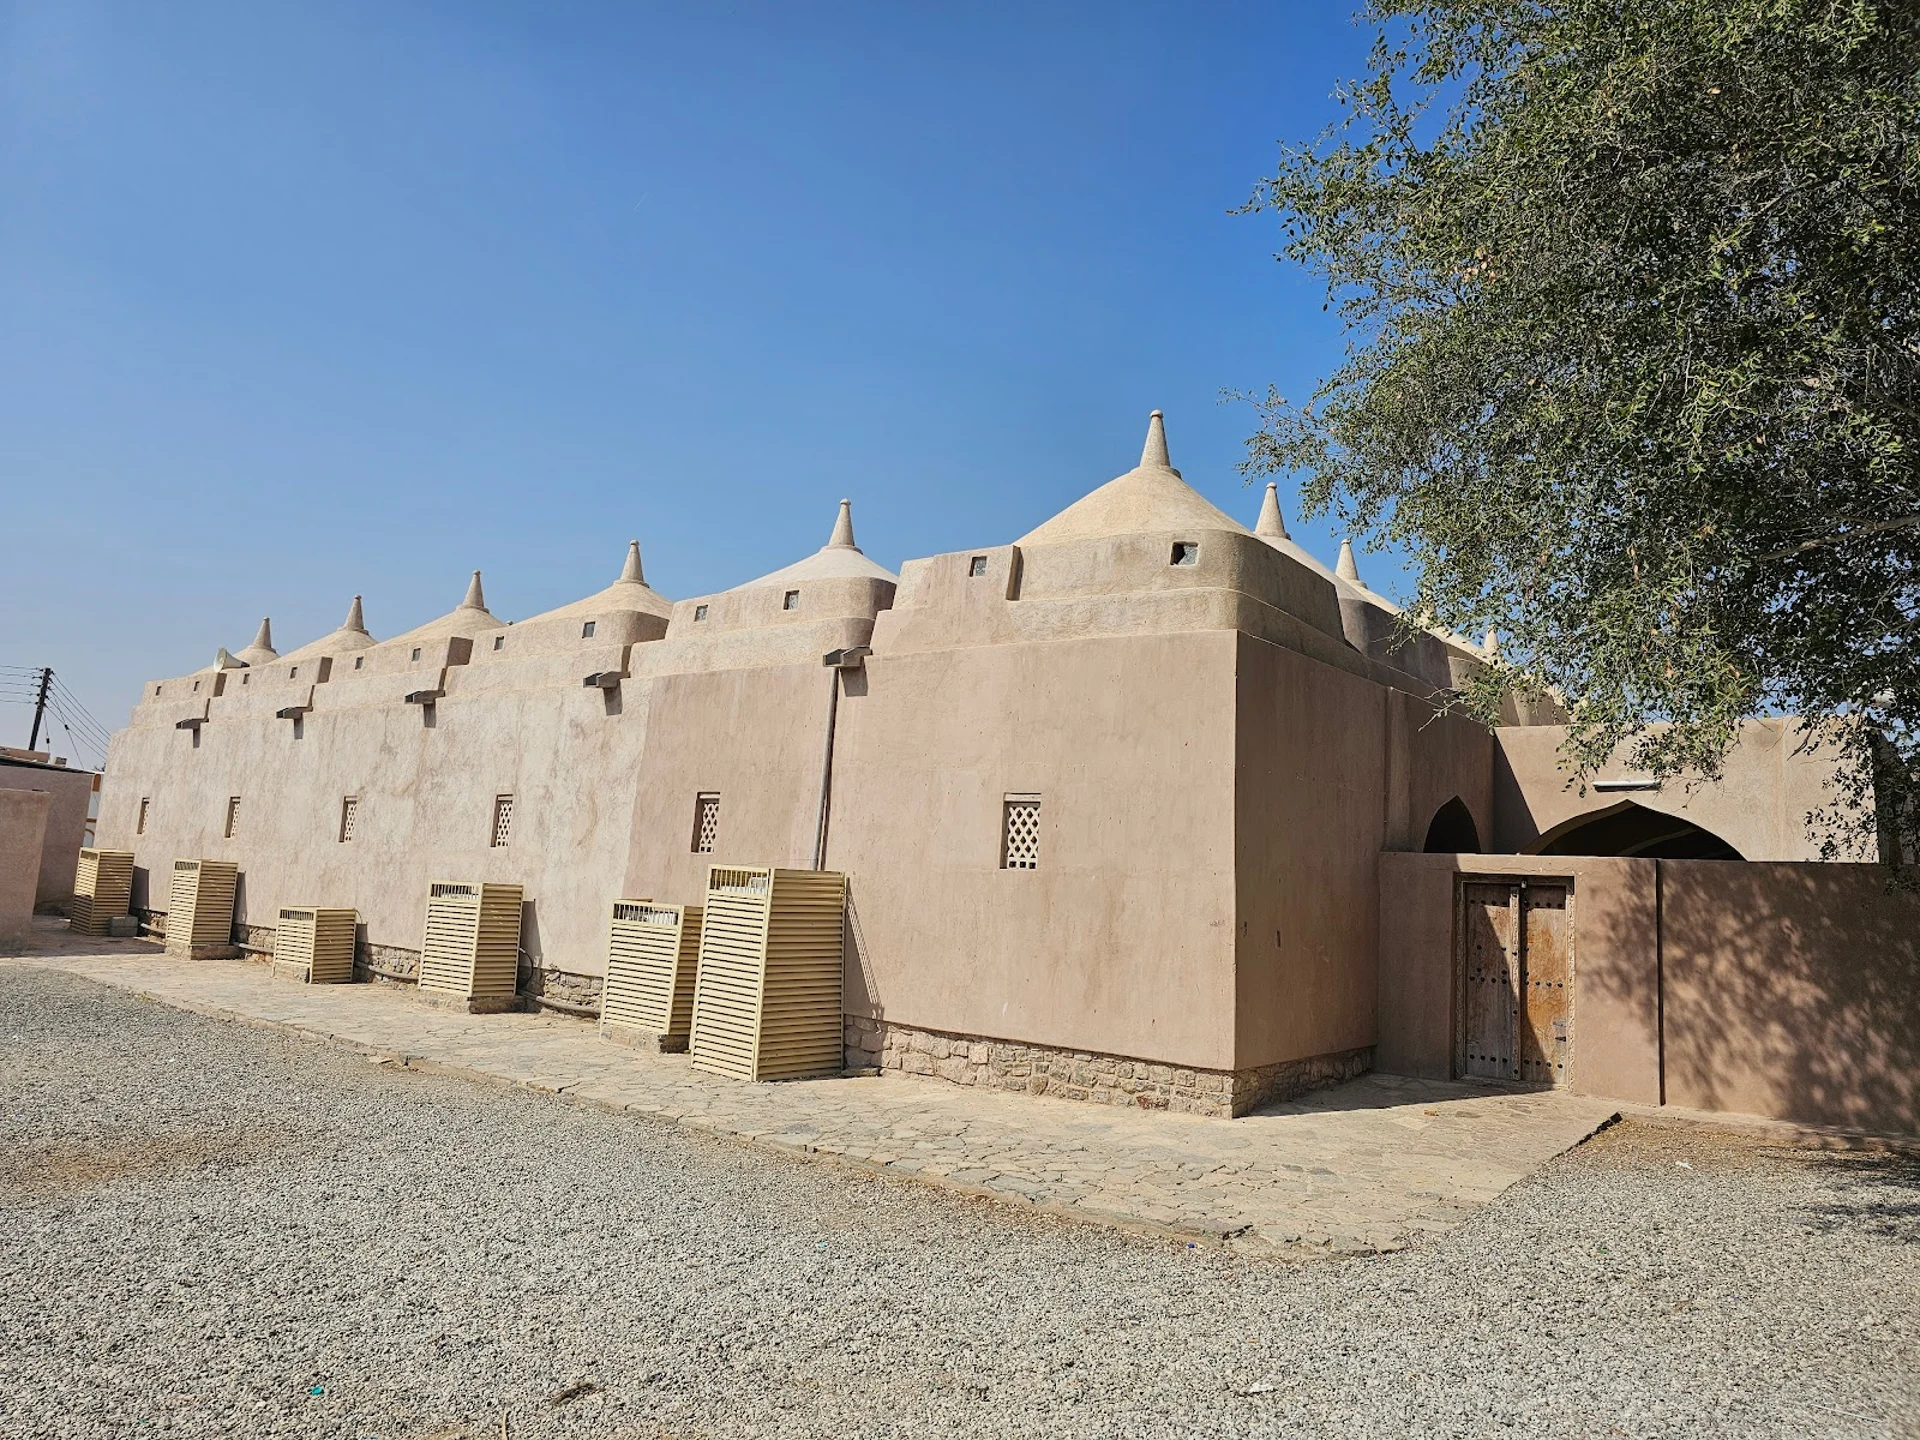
470	617
629	592
261	650
1150	497
352	635
838	559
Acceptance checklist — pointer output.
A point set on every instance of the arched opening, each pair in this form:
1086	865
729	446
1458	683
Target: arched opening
1452	831
1628	829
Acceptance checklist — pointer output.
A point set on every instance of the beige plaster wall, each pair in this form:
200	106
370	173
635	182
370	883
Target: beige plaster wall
1615	962
1121	942
23	827
1759	806
68	793
1792	990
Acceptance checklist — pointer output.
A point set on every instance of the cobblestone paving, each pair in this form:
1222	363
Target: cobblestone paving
1374	1165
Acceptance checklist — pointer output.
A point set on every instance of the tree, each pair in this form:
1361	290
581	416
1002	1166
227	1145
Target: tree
1633	362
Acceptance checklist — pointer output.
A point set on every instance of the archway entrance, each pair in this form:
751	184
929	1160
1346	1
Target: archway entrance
1452	831
1628	829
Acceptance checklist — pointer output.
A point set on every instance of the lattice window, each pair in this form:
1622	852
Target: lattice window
140	825
502	819
706	821
233	814
349	817
1020	833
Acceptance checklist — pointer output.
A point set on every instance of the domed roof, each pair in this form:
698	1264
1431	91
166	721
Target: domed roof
261	651
352	635
629	592
470	617
838	559
1148	498
1272	529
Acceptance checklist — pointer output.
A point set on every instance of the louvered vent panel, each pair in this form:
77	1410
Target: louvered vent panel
317	940
102	889
472	943
767	999
200	904
652	957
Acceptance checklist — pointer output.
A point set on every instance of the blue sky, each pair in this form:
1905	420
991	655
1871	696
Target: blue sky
303	301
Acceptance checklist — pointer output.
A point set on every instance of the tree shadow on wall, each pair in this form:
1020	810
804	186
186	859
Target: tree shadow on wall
1789	990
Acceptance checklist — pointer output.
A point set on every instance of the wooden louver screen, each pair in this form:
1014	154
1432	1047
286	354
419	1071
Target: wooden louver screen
102	889
767	997
652	957
200	903
472	943
318	941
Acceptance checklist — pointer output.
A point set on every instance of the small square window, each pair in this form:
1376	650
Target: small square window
586	630
416	650
977	566
140	825
156	692
706	821
349	817
245	678
791	601
699	612
1185	552
499	643
502	819
294	673
358	661
196	684
1020	833
233	814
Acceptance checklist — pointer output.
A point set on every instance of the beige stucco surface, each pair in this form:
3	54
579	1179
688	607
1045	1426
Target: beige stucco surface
1793	990
23	827
68	792
1759	805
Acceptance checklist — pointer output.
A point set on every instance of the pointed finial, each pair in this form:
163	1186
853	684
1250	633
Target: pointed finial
1153	455
630	572
1345	568
1270	522
355	620
264	639
475	600
1490	646
843	529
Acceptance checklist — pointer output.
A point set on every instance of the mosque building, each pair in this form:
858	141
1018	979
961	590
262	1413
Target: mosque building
1112	799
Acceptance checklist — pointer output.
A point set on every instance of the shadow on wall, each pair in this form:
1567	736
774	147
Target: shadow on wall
1789	990
1628	829
1799	982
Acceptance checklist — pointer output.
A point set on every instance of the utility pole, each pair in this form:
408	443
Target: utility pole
40	706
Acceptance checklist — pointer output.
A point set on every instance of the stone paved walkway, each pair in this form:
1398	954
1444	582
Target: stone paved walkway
1373	1165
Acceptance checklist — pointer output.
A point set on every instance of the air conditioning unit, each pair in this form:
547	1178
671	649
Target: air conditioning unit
315	945
653	953
102	889
200	909
767	1000
470	958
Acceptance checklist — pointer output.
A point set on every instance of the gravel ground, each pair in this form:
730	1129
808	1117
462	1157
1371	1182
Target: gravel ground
212	1229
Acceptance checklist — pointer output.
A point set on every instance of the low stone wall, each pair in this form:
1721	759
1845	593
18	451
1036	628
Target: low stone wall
388	964
576	992
1082	1075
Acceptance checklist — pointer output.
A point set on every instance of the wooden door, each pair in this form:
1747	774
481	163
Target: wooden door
1546	1024
1490	972
1516	982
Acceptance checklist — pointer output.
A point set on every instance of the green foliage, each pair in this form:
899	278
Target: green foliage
1634	358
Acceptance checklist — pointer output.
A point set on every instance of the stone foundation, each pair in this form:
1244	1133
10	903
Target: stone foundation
580	992
1083	1075
649	1040
259	937
385	964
